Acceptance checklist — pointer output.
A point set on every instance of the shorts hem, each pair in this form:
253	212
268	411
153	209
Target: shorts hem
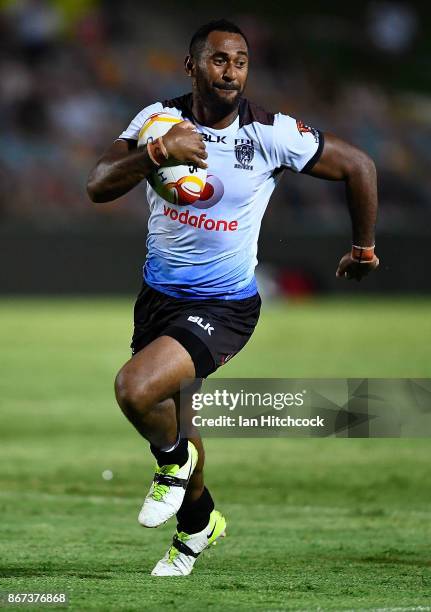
199	352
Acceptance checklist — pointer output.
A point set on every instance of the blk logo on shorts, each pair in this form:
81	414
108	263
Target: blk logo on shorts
205	326
244	152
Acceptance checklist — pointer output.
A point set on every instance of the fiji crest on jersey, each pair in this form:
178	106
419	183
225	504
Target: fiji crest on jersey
244	153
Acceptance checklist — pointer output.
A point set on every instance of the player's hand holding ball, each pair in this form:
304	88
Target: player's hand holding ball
184	144
178	152
358	263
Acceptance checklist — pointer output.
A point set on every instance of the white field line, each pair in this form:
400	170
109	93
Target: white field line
112	499
408	609
397	609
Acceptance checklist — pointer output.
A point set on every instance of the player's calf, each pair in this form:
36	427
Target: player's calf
154	420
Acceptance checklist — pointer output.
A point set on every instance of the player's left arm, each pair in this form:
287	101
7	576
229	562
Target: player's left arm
341	161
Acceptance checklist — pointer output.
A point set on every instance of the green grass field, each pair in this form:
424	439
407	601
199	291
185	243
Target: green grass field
313	524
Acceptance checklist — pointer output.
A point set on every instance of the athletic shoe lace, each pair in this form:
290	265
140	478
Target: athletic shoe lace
160	489
174	552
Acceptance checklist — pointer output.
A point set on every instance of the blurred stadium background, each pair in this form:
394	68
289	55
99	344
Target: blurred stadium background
74	72
317	524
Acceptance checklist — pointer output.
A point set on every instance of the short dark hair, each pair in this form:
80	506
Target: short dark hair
199	38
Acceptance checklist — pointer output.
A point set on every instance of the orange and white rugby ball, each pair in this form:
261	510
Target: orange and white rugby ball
176	183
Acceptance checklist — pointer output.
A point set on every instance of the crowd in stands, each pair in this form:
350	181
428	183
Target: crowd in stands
73	73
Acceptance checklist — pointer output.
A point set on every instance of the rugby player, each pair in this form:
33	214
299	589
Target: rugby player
199	302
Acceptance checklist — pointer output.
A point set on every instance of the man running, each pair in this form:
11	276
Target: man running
199	303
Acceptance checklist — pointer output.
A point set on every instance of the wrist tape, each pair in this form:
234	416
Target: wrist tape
362	254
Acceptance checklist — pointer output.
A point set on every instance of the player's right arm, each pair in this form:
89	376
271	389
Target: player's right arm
302	148
122	167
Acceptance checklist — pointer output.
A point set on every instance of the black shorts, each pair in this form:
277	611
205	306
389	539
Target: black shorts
211	330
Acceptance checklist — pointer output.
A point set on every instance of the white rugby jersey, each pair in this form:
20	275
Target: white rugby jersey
209	249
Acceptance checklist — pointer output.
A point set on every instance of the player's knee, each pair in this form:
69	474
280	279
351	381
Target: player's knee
133	393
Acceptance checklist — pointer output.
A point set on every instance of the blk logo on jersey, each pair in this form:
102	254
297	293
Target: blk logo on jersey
205	326
214	139
244	153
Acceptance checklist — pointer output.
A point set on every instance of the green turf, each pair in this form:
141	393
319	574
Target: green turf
319	524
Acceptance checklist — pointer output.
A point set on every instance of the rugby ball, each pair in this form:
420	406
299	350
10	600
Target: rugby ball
176	183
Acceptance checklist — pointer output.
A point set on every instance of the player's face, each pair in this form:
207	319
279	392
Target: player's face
220	73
